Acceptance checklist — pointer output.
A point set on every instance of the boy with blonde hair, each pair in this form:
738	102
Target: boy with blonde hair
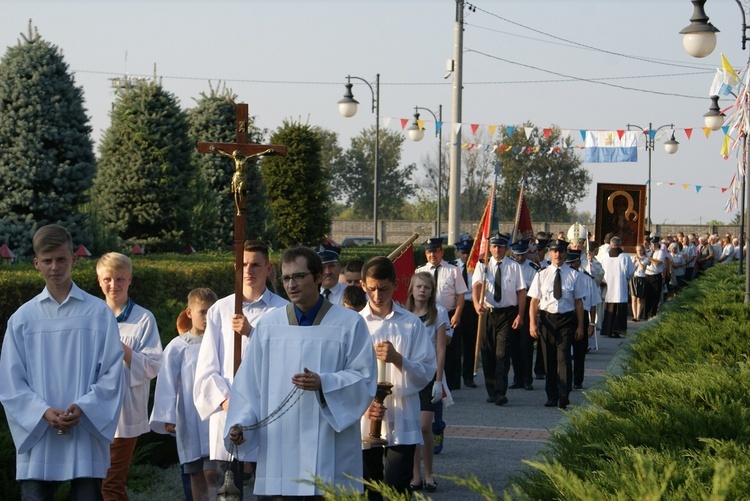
174	408
140	340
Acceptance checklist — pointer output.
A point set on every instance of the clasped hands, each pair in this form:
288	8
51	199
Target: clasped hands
63	420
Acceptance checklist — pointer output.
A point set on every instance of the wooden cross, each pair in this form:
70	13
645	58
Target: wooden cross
241	152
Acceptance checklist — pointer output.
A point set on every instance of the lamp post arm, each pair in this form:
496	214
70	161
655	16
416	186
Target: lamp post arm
372	91
744	24
433	116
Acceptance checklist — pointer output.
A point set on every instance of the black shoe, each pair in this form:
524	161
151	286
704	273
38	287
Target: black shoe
470	383
551	403
417	487
615	335
454	387
528	386
516	386
491	400
501	400
564	402
578	386
540	376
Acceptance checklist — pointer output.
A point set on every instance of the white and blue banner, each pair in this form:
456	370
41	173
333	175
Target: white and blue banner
610	146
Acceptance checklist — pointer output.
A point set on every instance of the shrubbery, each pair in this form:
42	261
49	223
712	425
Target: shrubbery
676	424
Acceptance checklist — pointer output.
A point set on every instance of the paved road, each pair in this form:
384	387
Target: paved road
491	441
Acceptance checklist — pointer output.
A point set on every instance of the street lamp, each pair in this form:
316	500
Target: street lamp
416	133
670	146
348	108
714	118
745	104
700	35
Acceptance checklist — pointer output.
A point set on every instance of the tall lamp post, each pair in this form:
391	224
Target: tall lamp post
670	146
700	41
348	108
416	133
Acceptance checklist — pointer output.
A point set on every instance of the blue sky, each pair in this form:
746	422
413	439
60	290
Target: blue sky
524	60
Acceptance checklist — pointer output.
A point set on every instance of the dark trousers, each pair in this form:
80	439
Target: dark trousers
466	336
453	360
615	321
396	470
653	294
557	333
496	349
522	351
580	347
81	489
539	370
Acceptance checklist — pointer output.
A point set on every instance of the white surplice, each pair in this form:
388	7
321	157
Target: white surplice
173	399
214	372
407	333
313	437
617	271
55	355
140	333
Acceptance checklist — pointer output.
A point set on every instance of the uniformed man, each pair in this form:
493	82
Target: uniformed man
466	333
590	300
523	346
330	287
450	295
557	298
504	302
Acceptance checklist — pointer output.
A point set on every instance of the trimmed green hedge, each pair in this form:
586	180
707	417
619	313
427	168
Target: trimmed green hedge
676	425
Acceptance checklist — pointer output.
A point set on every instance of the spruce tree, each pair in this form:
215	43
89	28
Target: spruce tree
213	119
143	183
297	186
46	154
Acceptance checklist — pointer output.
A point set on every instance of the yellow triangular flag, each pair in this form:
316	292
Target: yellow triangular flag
707	131
492	128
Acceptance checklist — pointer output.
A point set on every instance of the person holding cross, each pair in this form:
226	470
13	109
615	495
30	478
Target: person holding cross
215	369
312	364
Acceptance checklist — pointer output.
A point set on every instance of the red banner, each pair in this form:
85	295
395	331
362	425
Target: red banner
483	234
523	225
404	271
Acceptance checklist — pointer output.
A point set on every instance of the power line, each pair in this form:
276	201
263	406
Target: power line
581	79
584	46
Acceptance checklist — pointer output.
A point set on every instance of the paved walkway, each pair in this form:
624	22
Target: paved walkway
491	441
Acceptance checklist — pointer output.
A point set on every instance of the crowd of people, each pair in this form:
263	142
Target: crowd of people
287	388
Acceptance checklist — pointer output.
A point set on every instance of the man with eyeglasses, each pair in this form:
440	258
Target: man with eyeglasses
326	351
214	371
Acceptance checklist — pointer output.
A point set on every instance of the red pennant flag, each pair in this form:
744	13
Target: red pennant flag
404	271
136	250
474	128
404	121
523	225
546	133
483	234
529	149
620	133
723	190
688	132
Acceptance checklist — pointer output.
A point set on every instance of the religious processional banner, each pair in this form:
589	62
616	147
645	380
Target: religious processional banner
621	210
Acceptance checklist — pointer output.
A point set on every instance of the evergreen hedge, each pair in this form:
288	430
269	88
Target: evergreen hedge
676	424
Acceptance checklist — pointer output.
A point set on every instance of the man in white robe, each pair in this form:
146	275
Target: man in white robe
314	346
618	270
61	373
214	372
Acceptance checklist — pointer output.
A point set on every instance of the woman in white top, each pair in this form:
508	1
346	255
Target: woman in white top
421	301
638	282
678	267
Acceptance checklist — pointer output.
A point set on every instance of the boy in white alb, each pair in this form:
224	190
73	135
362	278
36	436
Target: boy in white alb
406	358
214	373
140	340
174	410
61	373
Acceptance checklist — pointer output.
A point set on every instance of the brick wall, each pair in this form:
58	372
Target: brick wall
396	231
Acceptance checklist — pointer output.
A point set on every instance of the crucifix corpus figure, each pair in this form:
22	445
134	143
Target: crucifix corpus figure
241	152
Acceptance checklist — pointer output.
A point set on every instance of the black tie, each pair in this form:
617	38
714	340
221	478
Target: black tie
498	293
463	274
557	290
435	274
327	294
